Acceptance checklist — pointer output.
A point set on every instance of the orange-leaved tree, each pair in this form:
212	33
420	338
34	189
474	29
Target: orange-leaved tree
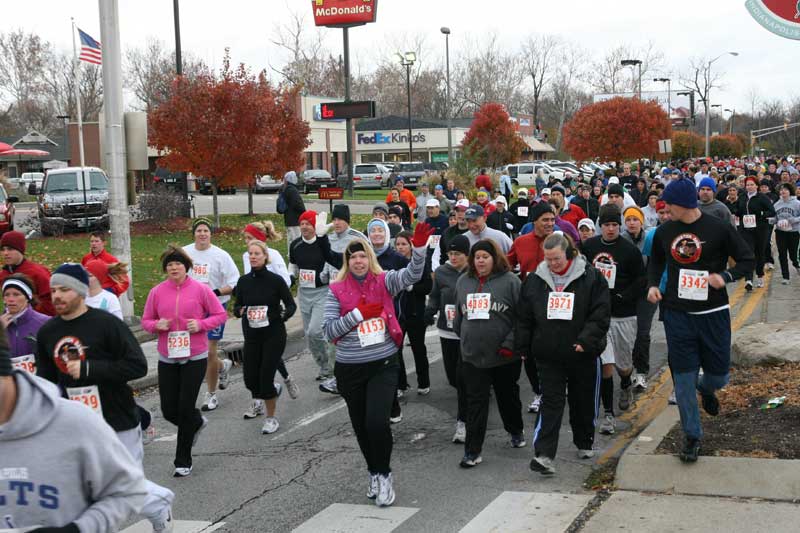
228	128
686	144
492	140
616	129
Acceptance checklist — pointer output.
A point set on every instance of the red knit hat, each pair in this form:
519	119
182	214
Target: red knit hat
15	240
661	204
754	179
99	270
309	216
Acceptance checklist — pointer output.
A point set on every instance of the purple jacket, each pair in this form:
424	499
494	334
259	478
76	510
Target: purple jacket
22	332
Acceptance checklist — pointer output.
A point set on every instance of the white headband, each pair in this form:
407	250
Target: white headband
19	285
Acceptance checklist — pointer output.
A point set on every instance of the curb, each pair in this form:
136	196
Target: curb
743	477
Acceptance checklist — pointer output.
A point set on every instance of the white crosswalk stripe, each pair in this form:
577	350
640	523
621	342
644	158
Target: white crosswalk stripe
349	518
181	526
513	512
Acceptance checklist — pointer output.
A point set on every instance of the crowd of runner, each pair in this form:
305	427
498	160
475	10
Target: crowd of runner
563	279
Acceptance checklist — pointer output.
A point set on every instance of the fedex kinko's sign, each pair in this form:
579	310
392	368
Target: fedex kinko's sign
340	13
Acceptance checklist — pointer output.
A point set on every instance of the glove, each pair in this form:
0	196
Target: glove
69	528
505	353
321	226
422	233
509	226
370	310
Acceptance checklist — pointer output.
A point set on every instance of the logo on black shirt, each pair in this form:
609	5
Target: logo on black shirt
603	258
68	349
686	248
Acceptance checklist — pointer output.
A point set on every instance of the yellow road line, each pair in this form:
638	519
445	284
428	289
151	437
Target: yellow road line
655	400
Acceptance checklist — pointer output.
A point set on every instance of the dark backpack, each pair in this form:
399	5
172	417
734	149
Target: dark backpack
281	205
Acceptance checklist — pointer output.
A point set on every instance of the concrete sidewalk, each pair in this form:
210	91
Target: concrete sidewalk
233	340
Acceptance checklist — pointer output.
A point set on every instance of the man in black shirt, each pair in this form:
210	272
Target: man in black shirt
92	355
694	248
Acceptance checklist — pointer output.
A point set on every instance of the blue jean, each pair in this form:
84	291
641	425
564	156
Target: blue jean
687	385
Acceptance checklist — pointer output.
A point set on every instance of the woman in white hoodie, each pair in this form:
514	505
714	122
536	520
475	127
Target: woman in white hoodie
787	229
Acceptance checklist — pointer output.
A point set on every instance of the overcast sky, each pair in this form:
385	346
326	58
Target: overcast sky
679	28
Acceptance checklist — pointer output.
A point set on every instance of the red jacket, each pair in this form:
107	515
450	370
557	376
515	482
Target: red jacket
527	251
573	214
41	280
482	180
407	197
109	283
488	208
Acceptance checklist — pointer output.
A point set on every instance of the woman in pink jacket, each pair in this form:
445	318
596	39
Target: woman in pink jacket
181	310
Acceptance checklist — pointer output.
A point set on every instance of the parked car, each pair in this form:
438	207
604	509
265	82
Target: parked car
436	166
7	211
524	174
369	176
315	179
163	176
31	181
73	198
412	173
204	186
266	183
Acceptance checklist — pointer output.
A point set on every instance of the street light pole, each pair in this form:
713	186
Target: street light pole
730	121
407	60
176	16
708	98
634	63
446	31
669	95
716	105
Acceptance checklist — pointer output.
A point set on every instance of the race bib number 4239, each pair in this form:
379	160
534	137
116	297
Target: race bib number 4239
693	284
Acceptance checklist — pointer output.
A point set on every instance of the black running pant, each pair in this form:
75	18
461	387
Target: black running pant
178	387
263	352
581	379
477	383
451	355
533	374
787	242
369	389
416	335
756	239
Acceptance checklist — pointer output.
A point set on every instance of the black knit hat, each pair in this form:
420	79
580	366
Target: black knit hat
342	212
541	208
459	243
610	213
616	188
174	253
486	246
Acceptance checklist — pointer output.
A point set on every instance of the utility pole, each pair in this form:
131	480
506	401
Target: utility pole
348	158
114	142
446	31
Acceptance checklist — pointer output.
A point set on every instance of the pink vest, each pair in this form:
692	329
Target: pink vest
351	293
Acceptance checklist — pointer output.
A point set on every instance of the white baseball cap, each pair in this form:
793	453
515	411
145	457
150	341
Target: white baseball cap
500	200
586	222
546	190
613	179
462	204
433	202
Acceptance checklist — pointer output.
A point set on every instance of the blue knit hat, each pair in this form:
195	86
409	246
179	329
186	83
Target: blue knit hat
73	276
708	182
681	192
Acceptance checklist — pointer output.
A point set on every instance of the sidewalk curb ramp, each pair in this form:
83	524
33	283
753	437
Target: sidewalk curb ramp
640	469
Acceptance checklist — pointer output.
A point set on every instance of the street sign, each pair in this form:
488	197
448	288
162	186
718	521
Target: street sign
342	110
331	193
344	13
665	146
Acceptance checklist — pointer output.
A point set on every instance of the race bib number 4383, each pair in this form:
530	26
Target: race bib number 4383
478	305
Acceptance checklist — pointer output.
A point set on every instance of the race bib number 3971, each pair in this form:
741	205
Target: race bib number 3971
560	305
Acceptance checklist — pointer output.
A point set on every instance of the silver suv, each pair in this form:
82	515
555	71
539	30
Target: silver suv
73	198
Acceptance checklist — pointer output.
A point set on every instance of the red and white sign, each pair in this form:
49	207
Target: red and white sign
781	17
341	13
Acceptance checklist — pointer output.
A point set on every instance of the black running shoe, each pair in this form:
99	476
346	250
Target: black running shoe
691	449
710	404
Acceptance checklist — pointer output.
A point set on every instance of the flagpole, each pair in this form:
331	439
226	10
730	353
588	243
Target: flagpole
75	70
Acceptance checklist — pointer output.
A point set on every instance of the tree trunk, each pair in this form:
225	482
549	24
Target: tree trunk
250	200
214	202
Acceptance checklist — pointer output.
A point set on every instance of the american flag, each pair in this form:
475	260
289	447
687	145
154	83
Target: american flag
90	49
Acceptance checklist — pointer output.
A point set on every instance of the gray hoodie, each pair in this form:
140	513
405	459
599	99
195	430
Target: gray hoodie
61	463
788	211
481	339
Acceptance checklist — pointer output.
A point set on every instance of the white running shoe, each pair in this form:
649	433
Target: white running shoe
396	419
386	495
181	471
329	386
460	436
785	282
164	524
672	400
197	433
585	454
291	388
759	283
639	382
374	487
424	391
609	425
257	408
210	402
224	374
543	465
278	389
536	404
271	425
769	266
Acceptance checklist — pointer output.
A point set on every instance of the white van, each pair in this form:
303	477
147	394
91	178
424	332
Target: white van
524	174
